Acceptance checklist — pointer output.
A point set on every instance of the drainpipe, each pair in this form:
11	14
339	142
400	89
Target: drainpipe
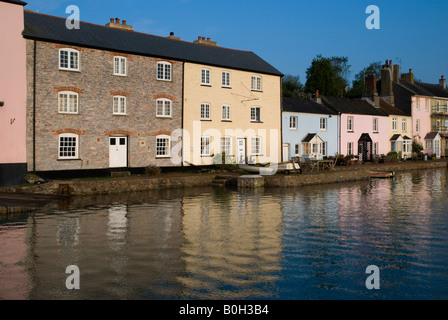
281	121
182	118
34	105
339	125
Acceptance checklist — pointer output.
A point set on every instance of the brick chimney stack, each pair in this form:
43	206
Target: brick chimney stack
115	24
408	77
206	42
442	82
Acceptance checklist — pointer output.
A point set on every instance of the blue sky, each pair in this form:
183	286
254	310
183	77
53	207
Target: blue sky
289	34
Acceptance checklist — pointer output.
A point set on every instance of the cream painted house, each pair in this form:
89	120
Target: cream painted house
233	109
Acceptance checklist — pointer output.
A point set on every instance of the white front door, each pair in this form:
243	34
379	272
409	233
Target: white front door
286	156
241	151
118	152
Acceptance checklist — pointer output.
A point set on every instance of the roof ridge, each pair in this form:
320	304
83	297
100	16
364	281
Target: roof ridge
137	32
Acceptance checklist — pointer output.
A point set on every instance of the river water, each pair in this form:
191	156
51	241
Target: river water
212	243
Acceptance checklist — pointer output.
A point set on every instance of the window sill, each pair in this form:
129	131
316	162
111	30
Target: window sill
164	80
164	117
252	121
225	87
73	113
205	85
64	160
120	75
226	120
163	157
292	129
253	90
70	70
120	114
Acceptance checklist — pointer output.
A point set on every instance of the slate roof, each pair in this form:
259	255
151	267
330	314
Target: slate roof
395	137
306	106
391	110
309	137
52	29
15	2
431	135
352	106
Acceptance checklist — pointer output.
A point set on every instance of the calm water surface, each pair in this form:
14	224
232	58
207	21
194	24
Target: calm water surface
304	243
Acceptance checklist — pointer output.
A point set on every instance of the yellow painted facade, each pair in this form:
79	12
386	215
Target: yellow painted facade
402	125
220	102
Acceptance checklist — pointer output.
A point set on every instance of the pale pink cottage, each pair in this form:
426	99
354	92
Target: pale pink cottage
12	93
363	128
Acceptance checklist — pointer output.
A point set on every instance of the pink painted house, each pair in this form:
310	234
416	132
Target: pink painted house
12	93
363	128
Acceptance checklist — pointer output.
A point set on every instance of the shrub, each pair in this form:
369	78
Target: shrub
417	147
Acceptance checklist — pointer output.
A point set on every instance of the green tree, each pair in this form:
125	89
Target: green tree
359	85
291	87
327	76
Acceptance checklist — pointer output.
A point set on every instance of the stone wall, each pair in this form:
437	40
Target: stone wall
95	122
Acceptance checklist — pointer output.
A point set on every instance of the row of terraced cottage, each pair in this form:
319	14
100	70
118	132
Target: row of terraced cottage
107	97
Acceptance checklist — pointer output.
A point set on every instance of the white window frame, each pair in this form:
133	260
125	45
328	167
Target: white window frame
375	148
407	146
164	71
394	124
256	145
404	124
76	146
226	112
375	125
120	66
350	122
119	105
323	124
350	148
297	149
70	59
437	106
226	79
226	145
254	113
165	103
205	77
205	111
205	146
293	123
256	83
167	147
69	95
324	148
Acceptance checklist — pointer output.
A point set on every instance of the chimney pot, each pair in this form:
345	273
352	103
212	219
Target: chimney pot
111	20
410	70
117	20
124	22
390	62
208	39
387	62
317	93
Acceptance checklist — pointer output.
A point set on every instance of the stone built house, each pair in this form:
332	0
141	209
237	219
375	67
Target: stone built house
105	97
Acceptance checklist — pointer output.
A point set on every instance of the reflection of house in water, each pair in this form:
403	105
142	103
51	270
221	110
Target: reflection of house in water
232	242
118	249
15	282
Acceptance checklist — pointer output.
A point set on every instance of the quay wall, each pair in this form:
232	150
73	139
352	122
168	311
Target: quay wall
132	184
